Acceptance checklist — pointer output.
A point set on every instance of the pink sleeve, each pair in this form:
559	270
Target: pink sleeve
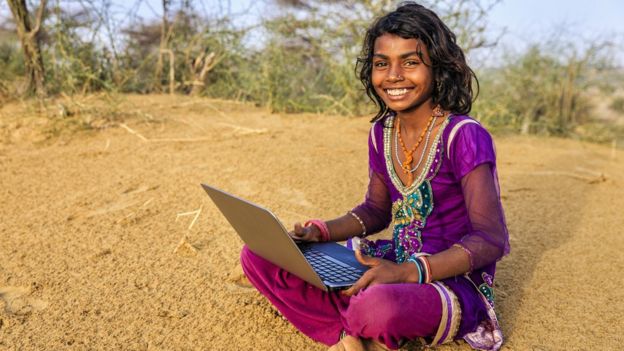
474	162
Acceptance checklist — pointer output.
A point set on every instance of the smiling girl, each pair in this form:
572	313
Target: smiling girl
433	180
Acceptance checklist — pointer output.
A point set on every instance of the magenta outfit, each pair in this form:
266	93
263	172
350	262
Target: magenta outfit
453	201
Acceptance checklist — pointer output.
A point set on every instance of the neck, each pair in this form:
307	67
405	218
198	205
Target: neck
414	120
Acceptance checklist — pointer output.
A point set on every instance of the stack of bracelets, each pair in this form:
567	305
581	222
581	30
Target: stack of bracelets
322	227
424	270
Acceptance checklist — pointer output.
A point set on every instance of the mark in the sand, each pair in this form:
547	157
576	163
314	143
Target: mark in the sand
116	206
519	190
238	278
147	282
103	253
599	178
126	200
18	302
139	189
185	249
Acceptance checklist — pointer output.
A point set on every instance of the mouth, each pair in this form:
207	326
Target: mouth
397	93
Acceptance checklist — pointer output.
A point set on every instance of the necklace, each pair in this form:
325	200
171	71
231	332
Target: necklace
422	154
407	163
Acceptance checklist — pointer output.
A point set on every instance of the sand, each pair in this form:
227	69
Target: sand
108	242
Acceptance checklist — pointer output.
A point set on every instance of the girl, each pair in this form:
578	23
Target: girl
433	178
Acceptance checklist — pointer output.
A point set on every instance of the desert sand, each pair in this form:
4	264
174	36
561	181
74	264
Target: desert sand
108	242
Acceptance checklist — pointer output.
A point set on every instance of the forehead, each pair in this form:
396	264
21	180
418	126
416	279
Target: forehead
391	43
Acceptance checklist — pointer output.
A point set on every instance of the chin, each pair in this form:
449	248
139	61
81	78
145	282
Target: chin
407	106
402	107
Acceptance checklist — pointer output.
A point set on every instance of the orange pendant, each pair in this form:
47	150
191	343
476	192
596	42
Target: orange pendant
407	163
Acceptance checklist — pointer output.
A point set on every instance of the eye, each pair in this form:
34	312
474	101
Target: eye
380	64
412	62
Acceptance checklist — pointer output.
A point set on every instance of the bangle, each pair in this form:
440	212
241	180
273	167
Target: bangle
359	220
417	263
322	227
427	267
467	253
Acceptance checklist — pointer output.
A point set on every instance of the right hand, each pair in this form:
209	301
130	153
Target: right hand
310	233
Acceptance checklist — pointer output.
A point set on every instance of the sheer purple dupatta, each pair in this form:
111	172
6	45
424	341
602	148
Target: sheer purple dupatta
473	159
375	212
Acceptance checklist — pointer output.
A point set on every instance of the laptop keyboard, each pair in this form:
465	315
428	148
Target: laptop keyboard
330	269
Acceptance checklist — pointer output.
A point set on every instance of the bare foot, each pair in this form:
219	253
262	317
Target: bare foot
348	343
374	345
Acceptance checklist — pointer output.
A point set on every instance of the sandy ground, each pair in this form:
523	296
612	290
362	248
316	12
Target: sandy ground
108	242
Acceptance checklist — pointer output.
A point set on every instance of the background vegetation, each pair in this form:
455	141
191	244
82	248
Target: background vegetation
301	59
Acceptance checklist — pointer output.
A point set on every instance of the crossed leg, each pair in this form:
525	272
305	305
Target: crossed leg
388	313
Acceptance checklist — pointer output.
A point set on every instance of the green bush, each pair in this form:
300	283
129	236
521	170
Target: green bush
541	91
617	104
304	62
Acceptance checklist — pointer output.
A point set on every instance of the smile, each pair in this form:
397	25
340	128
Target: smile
396	92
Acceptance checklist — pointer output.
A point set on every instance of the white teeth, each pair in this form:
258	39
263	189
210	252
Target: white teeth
396	92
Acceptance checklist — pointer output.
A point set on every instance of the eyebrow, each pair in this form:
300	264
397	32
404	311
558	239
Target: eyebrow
405	55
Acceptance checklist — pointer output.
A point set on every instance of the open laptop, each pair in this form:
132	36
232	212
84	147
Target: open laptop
328	266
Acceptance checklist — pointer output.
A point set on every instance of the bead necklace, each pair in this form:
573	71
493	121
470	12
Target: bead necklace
407	163
422	154
431	161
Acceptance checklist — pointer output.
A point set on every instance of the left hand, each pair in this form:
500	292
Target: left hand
380	272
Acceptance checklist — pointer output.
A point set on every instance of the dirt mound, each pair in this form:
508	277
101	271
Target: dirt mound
107	241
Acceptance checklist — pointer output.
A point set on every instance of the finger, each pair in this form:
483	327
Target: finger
362	283
299	229
312	233
294	236
366	260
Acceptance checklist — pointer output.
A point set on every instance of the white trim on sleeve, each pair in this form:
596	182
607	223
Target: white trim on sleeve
454	131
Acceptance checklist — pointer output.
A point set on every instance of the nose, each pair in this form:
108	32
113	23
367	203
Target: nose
395	74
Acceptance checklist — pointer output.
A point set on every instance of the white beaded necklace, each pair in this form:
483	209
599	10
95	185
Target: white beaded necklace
429	160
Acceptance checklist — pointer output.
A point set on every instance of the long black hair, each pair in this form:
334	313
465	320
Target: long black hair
452	78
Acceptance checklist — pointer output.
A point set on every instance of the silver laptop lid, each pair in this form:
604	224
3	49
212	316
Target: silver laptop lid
264	234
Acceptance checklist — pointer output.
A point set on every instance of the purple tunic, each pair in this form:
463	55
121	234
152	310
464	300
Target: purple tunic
452	202
455	201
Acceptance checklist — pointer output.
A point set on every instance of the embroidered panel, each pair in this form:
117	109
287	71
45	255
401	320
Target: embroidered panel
410	212
487	288
410	217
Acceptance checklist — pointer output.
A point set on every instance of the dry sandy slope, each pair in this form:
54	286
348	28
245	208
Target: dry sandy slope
90	225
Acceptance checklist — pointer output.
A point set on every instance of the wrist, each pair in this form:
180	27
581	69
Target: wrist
321	228
422	269
409	273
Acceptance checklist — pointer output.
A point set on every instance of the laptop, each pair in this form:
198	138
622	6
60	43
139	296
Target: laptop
328	266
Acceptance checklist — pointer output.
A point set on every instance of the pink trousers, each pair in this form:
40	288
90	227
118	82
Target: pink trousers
389	313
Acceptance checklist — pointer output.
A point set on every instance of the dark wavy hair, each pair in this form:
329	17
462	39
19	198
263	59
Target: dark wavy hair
452	78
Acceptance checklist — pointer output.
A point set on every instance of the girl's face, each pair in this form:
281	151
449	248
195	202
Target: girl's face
400	77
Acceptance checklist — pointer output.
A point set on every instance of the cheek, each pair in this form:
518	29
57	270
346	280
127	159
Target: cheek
376	78
429	77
